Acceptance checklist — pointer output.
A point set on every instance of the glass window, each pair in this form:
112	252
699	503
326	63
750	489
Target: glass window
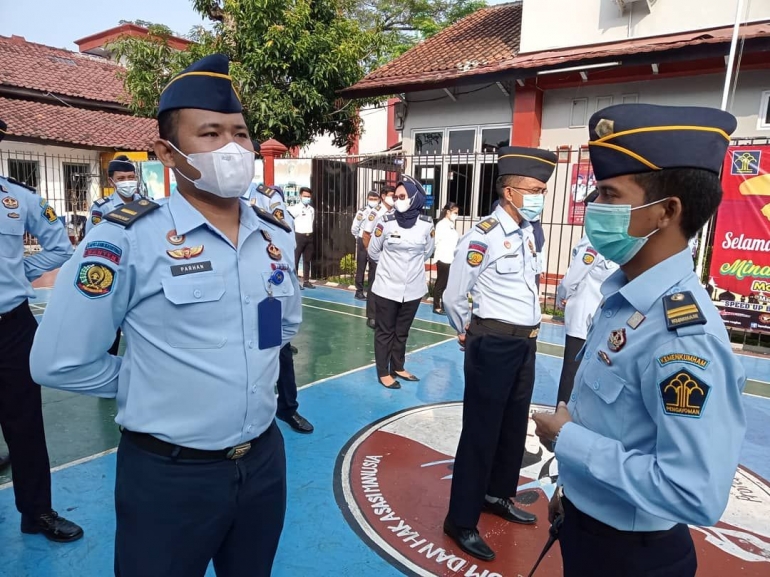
26	171
462	141
461	187
77	178
428	143
494	138
487	192
430	178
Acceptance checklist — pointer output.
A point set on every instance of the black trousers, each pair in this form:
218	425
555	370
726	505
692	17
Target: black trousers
394	319
371	307
499	379
21	414
361	260
305	246
442	276
174	516
569	368
287	383
115	345
590	548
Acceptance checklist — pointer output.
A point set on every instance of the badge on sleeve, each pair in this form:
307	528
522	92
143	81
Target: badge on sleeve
95	280
103	249
96	217
476	252
432	232
684	395
359	216
589	256
10	202
371	217
378	231
49	213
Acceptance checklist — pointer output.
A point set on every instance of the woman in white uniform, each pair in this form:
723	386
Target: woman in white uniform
578	294
401	244
446	243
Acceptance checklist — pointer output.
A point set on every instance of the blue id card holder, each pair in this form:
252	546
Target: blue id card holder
269	323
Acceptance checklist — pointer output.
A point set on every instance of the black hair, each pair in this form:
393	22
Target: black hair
506	180
168	125
387	189
305	189
447	209
699	191
372	194
122	158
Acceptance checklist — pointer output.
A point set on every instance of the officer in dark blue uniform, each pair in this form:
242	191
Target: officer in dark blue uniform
21	414
650	441
204	288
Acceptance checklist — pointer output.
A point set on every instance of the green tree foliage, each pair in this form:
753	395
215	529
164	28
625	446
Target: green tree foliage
288	60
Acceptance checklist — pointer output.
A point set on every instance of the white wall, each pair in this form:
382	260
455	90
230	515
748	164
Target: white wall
584	22
479	105
50	160
374	135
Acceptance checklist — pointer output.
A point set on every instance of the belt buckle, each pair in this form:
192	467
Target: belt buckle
534	333
238	451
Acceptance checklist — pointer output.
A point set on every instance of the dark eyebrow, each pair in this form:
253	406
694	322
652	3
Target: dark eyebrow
240	126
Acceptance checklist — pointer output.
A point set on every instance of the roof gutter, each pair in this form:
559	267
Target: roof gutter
59	99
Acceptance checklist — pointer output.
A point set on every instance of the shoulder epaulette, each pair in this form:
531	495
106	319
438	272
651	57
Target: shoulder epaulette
100	201
128	214
682	310
23	185
388	217
426	218
267	217
486	225
268	192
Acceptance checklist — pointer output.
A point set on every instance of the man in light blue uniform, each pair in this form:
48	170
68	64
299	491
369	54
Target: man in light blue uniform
122	175
21	414
205	291
652	435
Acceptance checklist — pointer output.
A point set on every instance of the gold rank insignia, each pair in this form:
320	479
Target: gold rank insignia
278	213
682	310
186	252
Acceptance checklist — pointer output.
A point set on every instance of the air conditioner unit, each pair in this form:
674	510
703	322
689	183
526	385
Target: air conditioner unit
625	4
399	110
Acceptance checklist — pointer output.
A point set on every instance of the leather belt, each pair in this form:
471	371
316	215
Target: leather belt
158	447
507	328
596	527
15	312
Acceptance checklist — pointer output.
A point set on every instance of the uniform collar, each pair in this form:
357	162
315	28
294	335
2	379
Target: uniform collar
506	221
186	217
646	289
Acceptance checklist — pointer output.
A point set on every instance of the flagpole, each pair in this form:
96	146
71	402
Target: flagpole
725	98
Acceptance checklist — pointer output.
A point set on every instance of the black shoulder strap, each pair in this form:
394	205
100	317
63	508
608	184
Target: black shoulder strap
486	225
128	214
17	183
388	217
267	217
100	201
682	310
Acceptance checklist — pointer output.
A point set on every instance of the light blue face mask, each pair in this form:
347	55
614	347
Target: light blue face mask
607	230
532	205
305	200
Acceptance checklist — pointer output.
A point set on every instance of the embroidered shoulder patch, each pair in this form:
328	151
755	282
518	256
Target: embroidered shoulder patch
371	217
590	256
103	249
49	213
686	358
95	280
682	310
476	252
684	395
378	230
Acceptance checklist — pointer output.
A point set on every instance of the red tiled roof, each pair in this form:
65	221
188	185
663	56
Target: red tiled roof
487	42
44	68
66	124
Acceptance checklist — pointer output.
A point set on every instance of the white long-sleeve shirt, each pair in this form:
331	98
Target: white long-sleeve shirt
446	241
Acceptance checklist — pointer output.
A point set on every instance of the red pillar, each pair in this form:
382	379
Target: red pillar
527	116
270	150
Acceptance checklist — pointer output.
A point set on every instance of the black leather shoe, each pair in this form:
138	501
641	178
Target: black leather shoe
293	349
298	423
409	378
360	297
5	460
370	323
507	510
55	528
439	312
469	541
307	285
395	385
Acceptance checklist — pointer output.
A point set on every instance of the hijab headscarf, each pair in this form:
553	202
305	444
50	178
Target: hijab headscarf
416	194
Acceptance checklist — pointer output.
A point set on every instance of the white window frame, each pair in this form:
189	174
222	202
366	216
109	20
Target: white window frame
764	104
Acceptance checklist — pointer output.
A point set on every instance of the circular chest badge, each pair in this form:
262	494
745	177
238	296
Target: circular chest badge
392	482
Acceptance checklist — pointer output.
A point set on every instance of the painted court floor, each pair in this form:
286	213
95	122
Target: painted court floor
368	490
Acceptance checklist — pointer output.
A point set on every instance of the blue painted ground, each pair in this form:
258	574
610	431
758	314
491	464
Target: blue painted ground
317	540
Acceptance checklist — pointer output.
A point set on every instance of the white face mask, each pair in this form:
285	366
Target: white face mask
388	200
372	203
453	216
126	188
403	204
226	172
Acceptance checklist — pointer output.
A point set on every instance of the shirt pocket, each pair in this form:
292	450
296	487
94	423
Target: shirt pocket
509	265
284	288
194	321
11	236
600	405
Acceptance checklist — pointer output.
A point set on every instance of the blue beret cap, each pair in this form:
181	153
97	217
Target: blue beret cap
205	84
120	164
636	138
522	161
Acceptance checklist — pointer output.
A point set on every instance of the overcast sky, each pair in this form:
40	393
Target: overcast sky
60	22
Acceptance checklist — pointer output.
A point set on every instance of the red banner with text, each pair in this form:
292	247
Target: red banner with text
740	261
